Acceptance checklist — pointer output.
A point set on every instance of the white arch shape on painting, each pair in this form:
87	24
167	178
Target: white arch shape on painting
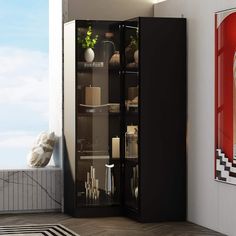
222	15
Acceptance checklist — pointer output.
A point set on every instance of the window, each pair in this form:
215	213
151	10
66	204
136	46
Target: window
23	78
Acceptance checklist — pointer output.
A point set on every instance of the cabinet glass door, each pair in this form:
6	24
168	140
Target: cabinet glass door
98	114
131	87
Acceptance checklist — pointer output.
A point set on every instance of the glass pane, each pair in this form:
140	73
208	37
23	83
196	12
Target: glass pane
98	119
131	113
23	78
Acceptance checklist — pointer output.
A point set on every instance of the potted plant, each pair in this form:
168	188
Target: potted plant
88	42
134	44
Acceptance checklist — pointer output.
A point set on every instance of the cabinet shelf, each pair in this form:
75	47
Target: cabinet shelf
100	110
92	114
104	200
90	65
105	157
131	72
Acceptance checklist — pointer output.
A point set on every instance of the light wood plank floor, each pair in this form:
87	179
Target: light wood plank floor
112	226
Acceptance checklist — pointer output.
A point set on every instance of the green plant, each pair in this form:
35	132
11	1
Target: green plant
86	40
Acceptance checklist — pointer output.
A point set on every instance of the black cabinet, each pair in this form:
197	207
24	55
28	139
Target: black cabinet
125	118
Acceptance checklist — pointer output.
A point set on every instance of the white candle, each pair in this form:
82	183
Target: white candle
93	95
116	147
94	173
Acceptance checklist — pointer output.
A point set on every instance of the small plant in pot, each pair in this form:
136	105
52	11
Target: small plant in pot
134	45
88	43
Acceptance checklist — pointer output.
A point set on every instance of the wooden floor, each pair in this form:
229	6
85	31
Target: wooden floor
115	226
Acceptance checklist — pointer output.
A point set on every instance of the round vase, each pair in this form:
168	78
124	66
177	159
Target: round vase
89	55
136	56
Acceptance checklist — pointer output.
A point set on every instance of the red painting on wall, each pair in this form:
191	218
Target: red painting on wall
225	96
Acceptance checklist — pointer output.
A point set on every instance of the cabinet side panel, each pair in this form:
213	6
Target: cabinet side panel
69	115
163	119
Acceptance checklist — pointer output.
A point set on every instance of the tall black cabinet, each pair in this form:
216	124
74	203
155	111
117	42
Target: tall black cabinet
125	118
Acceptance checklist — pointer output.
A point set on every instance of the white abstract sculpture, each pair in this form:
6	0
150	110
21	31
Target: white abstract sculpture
41	152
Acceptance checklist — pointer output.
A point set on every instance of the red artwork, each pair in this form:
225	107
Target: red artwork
225	95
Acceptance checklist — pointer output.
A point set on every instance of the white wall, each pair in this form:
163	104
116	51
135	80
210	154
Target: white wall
210	203
55	74
109	9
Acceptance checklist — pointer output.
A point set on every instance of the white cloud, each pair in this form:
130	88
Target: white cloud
23	85
16	139
24	79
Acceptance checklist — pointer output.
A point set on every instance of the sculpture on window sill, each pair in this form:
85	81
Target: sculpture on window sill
41	152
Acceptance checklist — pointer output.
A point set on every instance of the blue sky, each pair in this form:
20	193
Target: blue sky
23	77
24	24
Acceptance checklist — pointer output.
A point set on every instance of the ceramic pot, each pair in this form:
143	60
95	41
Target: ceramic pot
136	56
115	59
89	55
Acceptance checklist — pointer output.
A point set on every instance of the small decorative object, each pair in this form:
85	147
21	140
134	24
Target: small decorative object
116	147
88	44
92	185
93	96
134	182
134	45
131	140
41	152
108	47
132	92
114	107
132	105
115	59
109	180
89	55
132	128
132	66
136	56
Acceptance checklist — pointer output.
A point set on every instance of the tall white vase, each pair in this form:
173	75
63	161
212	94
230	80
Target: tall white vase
89	55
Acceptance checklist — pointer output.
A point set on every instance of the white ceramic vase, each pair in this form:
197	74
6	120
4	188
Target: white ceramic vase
136	56
89	55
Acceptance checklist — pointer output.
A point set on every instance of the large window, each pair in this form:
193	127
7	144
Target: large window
23	78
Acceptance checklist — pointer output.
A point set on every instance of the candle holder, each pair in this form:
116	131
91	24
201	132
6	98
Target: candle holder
131	140
134	182
92	186
109	180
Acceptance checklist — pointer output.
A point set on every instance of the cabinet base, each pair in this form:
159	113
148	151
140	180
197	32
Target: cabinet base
96	212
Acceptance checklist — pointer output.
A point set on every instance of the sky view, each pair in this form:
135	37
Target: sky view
23	78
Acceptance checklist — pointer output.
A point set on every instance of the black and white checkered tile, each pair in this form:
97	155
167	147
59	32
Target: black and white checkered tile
225	169
37	230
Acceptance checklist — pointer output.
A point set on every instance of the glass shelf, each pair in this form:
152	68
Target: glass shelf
104	200
106	157
89	65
